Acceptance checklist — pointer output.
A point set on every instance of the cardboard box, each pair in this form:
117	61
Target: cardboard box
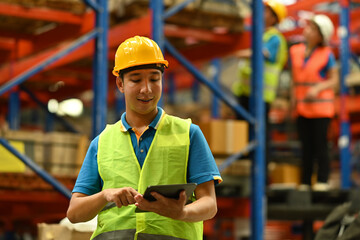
59	232
285	173
215	134
59	153
238	168
237	135
225	136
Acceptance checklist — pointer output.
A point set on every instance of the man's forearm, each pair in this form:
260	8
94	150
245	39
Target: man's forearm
200	210
83	208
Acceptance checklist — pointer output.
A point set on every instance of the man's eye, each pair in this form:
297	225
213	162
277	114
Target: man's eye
155	79
135	80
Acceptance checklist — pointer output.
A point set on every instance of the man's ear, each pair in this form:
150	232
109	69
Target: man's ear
120	84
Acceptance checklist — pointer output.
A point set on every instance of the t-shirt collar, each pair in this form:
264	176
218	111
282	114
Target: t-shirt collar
124	126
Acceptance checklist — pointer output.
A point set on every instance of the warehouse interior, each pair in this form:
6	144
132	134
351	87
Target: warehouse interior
57	93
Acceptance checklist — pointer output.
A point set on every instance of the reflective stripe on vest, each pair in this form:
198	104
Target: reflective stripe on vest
130	234
118	167
144	236
271	70
307	75
117	235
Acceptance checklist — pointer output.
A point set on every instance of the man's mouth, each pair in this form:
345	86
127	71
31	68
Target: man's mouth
145	100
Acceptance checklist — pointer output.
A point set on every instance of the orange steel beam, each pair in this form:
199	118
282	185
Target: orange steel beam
10	34
305	5
203	35
202	53
45	14
29	44
68	80
140	26
117	34
7	44
64	32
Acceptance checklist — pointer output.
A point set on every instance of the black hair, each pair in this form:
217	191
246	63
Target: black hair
158	66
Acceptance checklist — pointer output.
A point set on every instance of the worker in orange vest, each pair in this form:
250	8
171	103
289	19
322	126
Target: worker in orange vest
314	78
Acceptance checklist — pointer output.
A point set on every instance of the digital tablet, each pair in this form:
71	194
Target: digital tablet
169	191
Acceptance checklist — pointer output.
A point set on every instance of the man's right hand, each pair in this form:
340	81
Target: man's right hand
120	196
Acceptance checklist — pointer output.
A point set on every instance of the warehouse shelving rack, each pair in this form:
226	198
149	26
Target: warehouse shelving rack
100	35
159	31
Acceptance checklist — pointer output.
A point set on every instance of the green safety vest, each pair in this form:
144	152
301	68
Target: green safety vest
166	163
271	72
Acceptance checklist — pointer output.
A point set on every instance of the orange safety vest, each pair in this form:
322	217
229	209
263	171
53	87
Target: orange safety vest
306	75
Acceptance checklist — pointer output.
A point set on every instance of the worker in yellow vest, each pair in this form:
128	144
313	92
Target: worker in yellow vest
275	53
314	78
146	147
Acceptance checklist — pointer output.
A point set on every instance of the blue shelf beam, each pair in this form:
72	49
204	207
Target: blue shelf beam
215	70
157	7
250	147
173	10
39	171
100	69
257	109
93	5
39	67
229	100
14	110
345	138
42	105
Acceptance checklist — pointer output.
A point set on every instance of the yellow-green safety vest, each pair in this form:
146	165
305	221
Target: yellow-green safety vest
166	163
271	72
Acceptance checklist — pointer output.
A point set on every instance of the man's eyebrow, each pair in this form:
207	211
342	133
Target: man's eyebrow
134	74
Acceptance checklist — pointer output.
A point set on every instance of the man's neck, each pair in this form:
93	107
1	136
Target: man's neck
140	121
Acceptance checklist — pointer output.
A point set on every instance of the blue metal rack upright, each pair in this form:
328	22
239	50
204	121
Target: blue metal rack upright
100	85
345	138
256	118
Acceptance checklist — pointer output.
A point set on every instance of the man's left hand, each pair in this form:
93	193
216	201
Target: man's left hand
167	207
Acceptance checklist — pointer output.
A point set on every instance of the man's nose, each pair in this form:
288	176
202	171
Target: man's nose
146	86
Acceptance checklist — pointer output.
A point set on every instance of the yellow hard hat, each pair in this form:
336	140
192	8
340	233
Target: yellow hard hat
137	51
278	8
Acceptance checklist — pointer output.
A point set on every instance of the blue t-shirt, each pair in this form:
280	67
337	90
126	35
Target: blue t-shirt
272	47
201	163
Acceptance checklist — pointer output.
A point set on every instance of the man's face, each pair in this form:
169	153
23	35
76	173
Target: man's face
142	89
269	17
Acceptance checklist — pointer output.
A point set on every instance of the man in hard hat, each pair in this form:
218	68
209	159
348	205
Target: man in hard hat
275	56
314	78
146	147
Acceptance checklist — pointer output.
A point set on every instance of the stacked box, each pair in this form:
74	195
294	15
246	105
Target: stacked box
238	168
34	144
59	232
285	174
225	136
65	152
59	153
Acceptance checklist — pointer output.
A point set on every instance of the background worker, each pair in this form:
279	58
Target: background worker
146	147
314	78
275	56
